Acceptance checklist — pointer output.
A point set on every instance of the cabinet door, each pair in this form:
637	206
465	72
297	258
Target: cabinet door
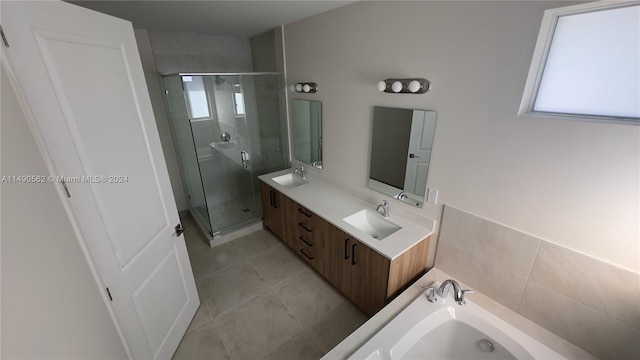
337	259
279	204
369	278
289	222
266	195
273	210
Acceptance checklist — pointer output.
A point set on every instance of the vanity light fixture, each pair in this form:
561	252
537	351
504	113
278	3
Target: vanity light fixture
306	87
404	86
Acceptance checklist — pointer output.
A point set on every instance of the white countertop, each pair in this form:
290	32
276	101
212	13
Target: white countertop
333	204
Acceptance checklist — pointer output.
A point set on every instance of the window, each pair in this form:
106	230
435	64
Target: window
238	100
586	63
196	97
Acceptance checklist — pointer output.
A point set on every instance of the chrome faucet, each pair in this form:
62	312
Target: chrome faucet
401	196
300	171
430	293
383	208
458	292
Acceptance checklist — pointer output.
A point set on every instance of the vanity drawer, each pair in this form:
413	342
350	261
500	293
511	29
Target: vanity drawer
307	236
305	224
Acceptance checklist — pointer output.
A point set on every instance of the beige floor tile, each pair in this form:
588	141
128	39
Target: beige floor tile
299	347
203	315
256	242
228	288
337	325
201	343
277	263
308	297
258	327
194	239
208	261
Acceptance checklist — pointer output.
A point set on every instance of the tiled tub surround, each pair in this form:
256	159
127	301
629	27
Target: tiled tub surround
588	302
334	204
365	332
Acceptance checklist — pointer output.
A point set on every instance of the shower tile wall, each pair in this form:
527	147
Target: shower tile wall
588	302
176	52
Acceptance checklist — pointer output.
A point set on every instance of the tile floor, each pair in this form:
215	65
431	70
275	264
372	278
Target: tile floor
260	301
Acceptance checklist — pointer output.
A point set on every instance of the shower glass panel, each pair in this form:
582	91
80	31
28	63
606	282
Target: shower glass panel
186	149
237	131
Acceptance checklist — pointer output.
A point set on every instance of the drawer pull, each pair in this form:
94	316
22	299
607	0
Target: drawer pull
353	254
304	227
305	254
272	198
346	249
305	241
304	213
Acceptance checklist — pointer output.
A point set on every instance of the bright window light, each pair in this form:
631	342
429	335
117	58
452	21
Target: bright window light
587	63
196	97
239	101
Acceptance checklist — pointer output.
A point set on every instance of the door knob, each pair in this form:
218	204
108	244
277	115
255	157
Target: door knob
179	229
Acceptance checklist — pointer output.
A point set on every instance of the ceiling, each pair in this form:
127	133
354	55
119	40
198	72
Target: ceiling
213	17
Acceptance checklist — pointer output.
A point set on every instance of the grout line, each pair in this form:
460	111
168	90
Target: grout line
535	258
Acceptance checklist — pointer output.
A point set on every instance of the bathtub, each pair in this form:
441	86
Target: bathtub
446	330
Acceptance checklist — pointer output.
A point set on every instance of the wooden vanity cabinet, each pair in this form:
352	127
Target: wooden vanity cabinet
273	210
367	278
359	272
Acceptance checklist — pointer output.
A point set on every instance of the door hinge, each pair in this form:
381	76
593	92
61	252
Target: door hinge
66	189
109	293
4	37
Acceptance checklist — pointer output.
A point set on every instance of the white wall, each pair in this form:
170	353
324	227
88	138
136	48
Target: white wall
574	183
51	305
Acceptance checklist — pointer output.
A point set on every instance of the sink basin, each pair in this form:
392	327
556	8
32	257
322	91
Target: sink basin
372	223
289	180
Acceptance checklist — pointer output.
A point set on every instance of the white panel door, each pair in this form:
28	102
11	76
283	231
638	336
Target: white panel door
415	180
81	74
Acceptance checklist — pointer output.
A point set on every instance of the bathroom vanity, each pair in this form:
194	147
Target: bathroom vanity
309	217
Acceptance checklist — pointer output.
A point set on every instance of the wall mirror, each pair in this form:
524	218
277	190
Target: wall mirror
307	132
400	151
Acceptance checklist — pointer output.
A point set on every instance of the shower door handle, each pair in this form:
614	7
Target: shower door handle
245	159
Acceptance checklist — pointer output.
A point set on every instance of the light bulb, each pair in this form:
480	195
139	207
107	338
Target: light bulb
292	88
396	87
298	87
306	88
382	86
414	86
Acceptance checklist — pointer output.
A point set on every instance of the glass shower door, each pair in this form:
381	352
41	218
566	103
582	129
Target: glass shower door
230	128
179	118
227	174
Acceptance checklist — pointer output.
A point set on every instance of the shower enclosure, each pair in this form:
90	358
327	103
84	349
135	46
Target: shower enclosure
229	128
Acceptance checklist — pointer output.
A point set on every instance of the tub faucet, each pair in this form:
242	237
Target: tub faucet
383	208
458	292
401	196
300	171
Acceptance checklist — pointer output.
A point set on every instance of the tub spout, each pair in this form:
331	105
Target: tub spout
458	294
